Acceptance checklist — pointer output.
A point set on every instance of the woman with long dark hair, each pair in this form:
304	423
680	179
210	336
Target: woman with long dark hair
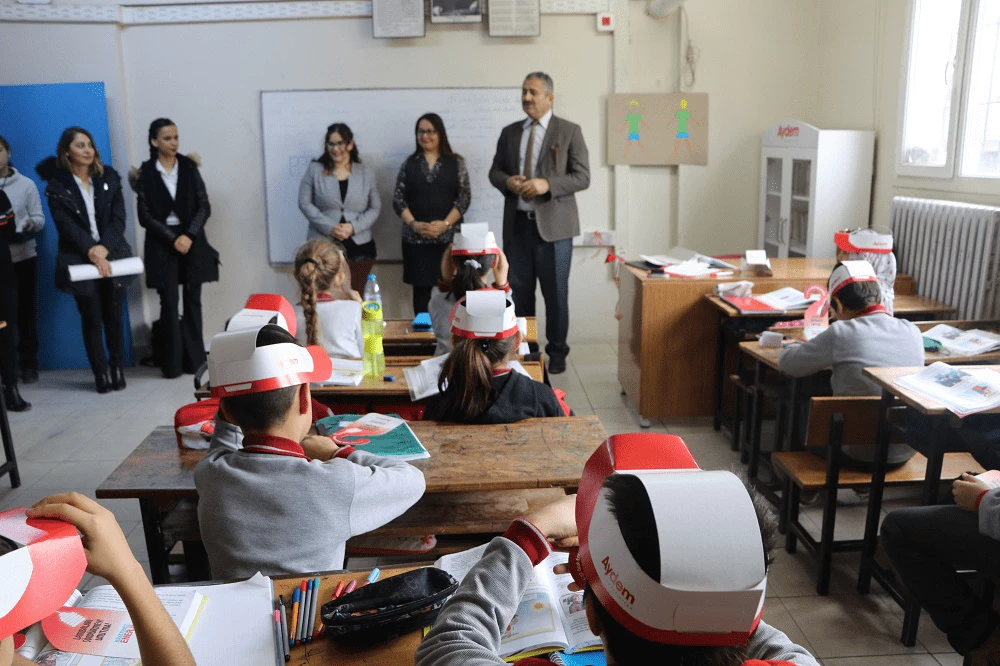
339	197
86	204
432	194
173	207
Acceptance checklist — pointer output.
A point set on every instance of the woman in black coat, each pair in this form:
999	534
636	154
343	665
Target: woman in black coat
173	207
86	204
8	311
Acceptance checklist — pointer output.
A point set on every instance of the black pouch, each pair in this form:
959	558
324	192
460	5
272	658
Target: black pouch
388	608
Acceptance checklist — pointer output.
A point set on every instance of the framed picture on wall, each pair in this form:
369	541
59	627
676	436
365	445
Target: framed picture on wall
396	19
515	18
456	11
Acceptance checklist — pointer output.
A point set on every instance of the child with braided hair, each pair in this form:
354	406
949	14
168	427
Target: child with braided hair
330	311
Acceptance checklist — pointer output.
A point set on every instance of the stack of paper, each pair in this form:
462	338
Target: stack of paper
346	372
964	391
787	298
963	343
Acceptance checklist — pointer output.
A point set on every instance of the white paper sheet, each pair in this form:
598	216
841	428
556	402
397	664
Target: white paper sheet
119	268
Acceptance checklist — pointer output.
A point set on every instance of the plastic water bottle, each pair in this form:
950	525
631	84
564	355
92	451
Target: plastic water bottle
372	328
373	293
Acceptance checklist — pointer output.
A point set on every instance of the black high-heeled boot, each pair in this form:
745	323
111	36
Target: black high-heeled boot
103	382
13	401
117	378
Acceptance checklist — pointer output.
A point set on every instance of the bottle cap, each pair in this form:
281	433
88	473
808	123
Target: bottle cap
371	311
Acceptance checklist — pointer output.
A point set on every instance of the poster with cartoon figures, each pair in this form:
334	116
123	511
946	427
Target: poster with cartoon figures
658	128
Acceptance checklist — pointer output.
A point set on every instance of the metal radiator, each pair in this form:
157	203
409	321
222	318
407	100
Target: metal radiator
952	249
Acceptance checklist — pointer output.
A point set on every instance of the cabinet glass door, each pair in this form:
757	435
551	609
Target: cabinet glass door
798	222
772	207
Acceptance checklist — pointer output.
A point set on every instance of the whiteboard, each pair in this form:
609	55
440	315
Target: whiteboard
382	120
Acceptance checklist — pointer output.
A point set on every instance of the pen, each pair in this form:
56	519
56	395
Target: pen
278	651
303	601
339	590
296	602
284	627
350	587
312	610
372	577
310	605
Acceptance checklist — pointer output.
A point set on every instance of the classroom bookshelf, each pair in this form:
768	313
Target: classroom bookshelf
813	183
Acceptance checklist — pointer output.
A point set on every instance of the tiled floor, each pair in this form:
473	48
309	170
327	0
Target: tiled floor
73	438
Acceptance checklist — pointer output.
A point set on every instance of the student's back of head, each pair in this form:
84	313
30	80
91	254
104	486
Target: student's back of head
470	273
467	376
320	266
631	506
258	412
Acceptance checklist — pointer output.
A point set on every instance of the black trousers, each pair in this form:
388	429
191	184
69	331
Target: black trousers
103	309
8	334
27	312
531	259
183	344
928	545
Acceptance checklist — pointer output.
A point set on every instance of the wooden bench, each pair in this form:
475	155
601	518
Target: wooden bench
832	422
460	521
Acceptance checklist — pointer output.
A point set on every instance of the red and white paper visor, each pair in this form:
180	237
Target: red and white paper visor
848	272
41	563
486	314
713	572
474	238
238	366
263	309
863	240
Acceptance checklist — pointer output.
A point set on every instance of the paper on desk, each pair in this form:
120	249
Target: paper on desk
422	380
236	624
119	268
346	372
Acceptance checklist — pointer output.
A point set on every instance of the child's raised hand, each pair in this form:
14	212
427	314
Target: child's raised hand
108	553
501	269
967	490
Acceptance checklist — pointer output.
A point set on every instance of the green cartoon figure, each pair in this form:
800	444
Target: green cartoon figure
683	117
634	121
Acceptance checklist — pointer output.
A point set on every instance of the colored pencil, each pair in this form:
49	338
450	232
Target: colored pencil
350	587
372	577
340	589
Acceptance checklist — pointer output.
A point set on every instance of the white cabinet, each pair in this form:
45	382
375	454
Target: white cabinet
813	183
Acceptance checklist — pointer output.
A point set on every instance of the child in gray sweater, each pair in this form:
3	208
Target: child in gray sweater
285	502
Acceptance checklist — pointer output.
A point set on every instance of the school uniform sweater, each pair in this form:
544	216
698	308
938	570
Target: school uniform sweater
513	397
269	508
989	514
467	631
30	218
847	347
339	327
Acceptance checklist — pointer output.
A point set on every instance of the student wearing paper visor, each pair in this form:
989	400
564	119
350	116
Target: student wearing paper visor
875	248
673	561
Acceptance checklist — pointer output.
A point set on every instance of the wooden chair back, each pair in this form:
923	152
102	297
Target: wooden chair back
861	414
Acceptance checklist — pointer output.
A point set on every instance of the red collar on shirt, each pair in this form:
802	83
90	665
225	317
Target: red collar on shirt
873	309
500	371
271	444
324	297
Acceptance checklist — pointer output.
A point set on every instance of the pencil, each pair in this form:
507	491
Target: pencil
296	602
340	589
312	613
372	577
350	587
284	628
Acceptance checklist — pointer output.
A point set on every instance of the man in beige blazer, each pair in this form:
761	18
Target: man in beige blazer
540	164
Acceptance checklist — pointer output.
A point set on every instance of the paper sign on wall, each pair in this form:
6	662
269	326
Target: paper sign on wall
658	129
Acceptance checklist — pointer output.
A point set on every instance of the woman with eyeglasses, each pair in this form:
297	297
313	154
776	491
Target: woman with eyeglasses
339	197
432	194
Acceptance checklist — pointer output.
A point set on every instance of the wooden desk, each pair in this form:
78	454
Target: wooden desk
735	326
535	453
668	335
325	650
939	415
400	339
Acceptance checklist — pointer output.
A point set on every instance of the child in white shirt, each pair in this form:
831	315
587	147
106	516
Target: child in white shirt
329	315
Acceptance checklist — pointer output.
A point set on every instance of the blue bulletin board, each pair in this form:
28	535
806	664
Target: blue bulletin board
31	119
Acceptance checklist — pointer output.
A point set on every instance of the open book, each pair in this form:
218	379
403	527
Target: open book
963	343
549	616
787	298
678	255
378	434
964	391
94	628
346	372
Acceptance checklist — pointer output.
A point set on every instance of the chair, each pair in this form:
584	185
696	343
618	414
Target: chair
832	422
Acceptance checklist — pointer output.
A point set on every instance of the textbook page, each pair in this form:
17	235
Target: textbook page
963	343
346	372
787	298
422	380
570	604
964	391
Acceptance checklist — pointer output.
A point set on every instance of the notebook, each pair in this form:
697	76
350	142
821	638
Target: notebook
378	434
750	304
346	372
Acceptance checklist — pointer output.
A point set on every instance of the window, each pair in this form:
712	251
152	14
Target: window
951	112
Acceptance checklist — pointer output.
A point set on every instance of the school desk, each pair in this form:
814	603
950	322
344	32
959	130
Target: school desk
735	326
325	650
400	338
535	453
893	394
668	334
10	466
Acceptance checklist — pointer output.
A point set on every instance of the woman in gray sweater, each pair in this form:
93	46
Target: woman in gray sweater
339	197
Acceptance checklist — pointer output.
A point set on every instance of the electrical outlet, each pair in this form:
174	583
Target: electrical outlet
605	22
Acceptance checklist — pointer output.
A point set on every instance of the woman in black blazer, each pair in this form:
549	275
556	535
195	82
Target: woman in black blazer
173	207
86	204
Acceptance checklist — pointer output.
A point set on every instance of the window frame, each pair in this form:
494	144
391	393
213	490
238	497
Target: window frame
956	120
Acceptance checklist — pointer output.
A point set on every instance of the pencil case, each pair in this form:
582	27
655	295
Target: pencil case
388	608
